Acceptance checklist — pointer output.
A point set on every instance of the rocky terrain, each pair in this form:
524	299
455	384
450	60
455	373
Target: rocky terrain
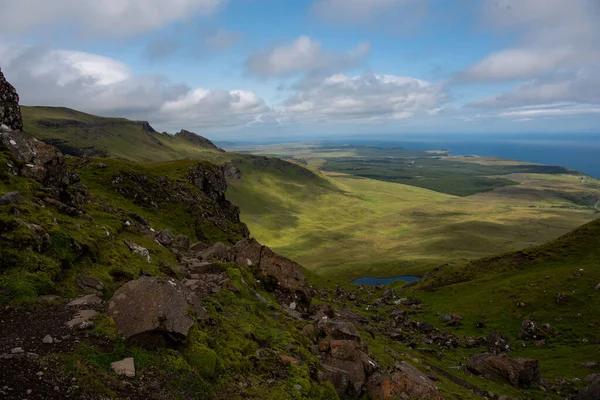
135	281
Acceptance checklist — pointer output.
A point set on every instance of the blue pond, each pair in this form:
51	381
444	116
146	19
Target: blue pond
367	280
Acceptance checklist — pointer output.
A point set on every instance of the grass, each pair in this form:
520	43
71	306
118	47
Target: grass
354	227
488	290
79	134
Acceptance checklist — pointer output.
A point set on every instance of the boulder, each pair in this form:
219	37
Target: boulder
530	331
10	198
247	252
90	285
346	364
85	300
81	318
518	372
124	367
404	382
217	251
10	112
591	392
155	311
137	249
338	329
39	161
181	243
165	237
451	319
498	343
288	274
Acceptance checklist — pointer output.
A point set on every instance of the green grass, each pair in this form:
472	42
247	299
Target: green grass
441	175
352	227
488	290
79	134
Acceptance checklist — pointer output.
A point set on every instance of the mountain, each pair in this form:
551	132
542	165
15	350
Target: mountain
81	134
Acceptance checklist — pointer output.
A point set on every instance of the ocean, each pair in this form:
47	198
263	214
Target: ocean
576	151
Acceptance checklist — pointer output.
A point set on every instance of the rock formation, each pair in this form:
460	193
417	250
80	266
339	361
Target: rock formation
152	311
519	372
10	112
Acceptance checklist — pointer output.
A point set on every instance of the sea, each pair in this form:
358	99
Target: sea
576	151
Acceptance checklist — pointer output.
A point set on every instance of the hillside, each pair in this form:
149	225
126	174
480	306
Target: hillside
555	285
78	133
412	213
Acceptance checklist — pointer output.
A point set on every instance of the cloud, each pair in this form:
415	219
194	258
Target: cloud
104	86
101	17
303	55
395	14
582	87
368	98
552	35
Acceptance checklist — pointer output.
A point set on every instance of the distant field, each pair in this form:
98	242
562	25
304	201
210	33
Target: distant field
355	226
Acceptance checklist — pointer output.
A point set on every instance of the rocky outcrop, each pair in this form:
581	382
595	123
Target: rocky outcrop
10	198
10	112
154	311
530	331
344	357
287	273
37	160
34	159
211	214
498	343
198	140
518	372
404	382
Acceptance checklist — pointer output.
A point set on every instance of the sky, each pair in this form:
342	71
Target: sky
243	69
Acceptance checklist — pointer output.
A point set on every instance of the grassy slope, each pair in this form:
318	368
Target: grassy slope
346	226
488	290
118	137
357	226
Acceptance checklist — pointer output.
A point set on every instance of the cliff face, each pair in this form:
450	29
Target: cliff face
10	113
197	140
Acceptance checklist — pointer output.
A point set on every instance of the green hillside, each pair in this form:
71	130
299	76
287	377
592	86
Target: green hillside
346	225
78	133
555	284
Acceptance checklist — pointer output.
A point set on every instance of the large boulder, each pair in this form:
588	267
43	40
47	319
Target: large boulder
10	112
404	382
591	392
155	311
287	273
344	357
518	372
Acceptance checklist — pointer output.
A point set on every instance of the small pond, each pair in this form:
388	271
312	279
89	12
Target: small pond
369	281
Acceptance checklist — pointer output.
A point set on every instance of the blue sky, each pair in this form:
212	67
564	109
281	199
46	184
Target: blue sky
278	69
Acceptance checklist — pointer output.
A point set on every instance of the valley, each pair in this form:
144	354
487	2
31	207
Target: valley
498	259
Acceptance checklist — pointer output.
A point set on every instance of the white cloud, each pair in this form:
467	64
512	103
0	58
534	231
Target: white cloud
582	86
553	35
367	98
303	55
101	17
104	86
519	63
